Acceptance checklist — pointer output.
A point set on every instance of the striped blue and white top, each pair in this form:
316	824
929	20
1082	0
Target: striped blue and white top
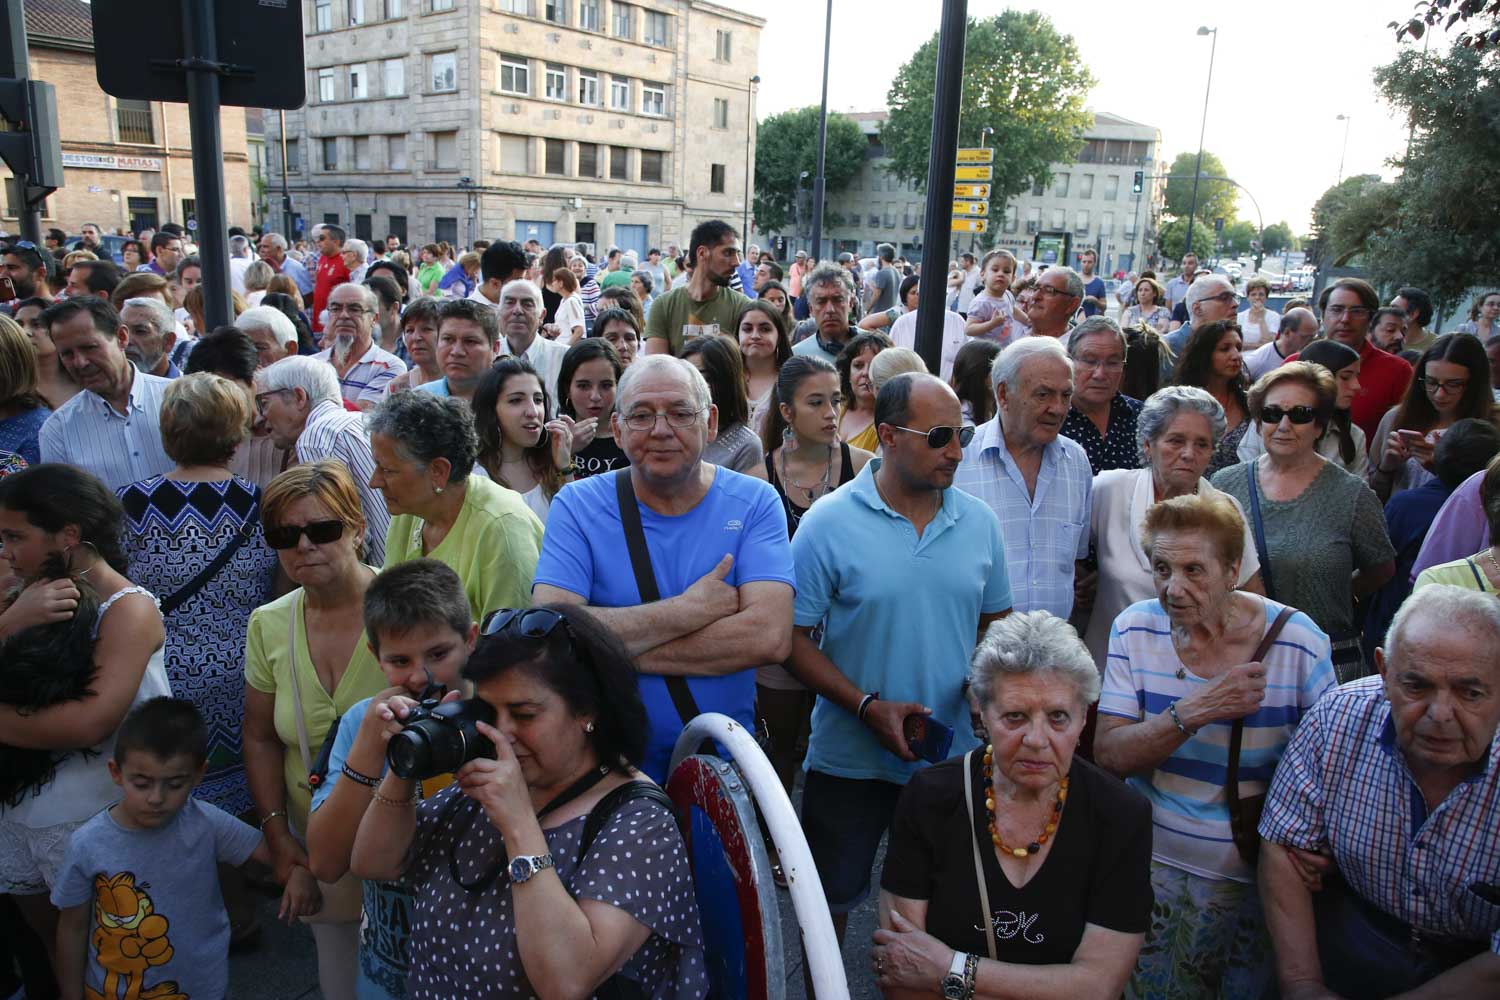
1189	804
333	432
366	381
118	448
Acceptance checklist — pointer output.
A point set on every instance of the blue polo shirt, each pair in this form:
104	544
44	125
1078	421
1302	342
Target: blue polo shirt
583	552
901	612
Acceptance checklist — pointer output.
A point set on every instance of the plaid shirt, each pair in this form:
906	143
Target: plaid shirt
1344	784
1043	533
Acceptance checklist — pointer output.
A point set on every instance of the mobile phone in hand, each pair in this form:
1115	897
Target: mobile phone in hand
928	738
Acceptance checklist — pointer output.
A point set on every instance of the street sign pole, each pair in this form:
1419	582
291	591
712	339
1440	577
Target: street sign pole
947	98
817	222
200	62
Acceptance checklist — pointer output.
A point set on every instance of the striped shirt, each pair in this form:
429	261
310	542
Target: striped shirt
333	432
1344	785
365	382
1189	804
1045	532
119	448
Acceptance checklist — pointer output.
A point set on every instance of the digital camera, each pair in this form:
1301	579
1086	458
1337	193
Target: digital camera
439	738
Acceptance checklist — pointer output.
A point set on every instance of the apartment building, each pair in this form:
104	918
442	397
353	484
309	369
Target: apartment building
593	121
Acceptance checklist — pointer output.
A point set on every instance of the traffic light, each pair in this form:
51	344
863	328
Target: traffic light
1139	184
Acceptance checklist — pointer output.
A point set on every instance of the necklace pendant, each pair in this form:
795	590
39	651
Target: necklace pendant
1182	673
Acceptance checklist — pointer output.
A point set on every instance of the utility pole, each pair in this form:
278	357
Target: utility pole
816	253
1203	129
943	149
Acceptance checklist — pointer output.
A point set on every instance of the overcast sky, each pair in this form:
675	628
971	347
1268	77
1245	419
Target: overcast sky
1282	73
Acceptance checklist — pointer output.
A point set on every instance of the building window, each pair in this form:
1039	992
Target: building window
723	45
356	12
557	82
588	89
135	122
359	81
619	163
1060	188
393	77
890	216
1012	219
330	154
588	159
322	15
1086	186
1111	187
556	11
445	150
1038	189
721	112
588	15
325	85
330	218
874	220
556	156
619	93
1033	221
392	10
363	229
516	6
716	178
652	169
514	158
440	5
293	156
362	152
1107	225
397	227
444	75
658	28
395	156
1059	218
653	99
515	75
621	21
1081	223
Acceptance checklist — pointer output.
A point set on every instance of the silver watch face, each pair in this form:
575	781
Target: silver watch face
953	986
522	869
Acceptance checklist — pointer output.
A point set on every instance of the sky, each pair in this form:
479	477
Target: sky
1282	73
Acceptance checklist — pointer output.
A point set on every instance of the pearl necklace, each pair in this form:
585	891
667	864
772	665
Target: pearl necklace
989	808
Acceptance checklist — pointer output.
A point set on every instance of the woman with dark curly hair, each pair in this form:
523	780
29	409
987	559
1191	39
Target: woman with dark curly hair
424	448
510	893
1211	361
520	448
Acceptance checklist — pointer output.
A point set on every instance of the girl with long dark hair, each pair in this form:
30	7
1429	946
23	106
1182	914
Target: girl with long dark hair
1211	361
518	446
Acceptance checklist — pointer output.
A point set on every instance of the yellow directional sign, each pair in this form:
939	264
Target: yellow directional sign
979	208
970	225
980	191
973	173
983	154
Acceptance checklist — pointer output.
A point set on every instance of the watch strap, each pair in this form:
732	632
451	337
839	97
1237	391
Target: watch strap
956	967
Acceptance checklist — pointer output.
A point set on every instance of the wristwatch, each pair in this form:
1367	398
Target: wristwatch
953	982
522	868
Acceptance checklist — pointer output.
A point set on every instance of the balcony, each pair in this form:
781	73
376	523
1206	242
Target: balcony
135	123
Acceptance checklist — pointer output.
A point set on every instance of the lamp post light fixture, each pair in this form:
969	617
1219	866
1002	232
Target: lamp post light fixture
1198	171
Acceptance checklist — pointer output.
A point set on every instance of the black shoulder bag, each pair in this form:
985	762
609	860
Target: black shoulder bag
1259	531
185	593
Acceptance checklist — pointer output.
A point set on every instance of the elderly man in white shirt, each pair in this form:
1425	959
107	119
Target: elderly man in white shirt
520	321
904	334
112	429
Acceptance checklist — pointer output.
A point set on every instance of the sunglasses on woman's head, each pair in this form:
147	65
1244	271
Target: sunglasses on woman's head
1271	415
938	437
523	623
317	532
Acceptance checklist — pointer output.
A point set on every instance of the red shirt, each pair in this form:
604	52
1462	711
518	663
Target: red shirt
331	274
1383	379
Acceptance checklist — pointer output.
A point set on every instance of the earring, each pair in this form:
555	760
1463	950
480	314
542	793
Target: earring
588	727
788	439
437	489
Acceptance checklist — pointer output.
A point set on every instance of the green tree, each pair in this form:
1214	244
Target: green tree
1347	215
1278	237
1022	78
787	144
1173	240
1480	18
1216	199
1236	239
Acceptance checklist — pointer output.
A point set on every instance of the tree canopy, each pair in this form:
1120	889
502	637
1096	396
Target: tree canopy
1347	215
1278	237
787	144
1480	20
1172	242
1022	78
1216	199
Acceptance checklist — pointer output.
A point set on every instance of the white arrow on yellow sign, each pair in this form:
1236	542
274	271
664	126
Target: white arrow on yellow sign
980	191
982	154
974	173
970	225
979	208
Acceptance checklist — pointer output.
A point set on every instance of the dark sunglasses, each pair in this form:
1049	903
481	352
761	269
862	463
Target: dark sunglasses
20	245
1271	415
317	532
523	623
938	437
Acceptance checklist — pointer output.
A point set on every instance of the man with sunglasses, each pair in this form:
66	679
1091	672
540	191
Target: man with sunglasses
1348	305
1037	482
905	572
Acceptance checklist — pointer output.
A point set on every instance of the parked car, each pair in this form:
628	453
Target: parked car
110	243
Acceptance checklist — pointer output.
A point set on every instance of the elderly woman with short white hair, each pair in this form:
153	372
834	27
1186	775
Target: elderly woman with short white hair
356	254
1019	869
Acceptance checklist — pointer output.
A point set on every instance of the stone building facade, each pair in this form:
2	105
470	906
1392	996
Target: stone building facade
595	121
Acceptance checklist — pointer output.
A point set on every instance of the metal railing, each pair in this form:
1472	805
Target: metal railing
136	125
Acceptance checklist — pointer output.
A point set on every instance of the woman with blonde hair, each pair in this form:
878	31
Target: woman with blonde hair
22	409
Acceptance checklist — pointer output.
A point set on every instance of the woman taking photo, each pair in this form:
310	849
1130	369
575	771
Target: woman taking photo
1451	383
983	844
53	383
569	729
620	329
58	524
1188	672
520	448
971	380
735	446
1211	361
1343	443
425	447
1320	532
1149	307
765	345
1178	428
22	409
805	461
857	419
586	381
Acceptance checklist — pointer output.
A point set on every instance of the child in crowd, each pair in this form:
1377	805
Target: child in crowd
420	628
139	887
993	314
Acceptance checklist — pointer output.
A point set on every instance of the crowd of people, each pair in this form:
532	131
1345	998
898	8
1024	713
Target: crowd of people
1159	653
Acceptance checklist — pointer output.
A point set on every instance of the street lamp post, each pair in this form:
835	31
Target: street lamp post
816	251
749	124
1346	119
1198	171
801	179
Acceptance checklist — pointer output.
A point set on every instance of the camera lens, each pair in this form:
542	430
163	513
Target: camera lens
407	753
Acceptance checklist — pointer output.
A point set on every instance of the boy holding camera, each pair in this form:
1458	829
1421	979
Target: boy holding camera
421	631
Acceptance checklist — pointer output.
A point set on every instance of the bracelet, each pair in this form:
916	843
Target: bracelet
398	803
1177	721
971	975
359	778
272	815
864	705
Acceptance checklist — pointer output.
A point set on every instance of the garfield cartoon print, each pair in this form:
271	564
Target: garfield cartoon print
130	938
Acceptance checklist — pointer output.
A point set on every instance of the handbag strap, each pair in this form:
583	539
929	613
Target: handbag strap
984	891
1474	568
645	583
1260	531
185	593
291	653
1237	731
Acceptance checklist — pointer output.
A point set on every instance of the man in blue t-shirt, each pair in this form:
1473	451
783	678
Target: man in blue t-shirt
718	549
1094	301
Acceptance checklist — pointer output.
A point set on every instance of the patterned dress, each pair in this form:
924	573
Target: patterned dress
174	530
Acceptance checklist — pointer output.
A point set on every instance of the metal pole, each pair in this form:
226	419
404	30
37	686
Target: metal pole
286	193
817	221
947	95
749	123
1198	171
1346	119
200	51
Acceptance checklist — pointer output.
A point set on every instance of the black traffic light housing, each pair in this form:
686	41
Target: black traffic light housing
29	107
1139	184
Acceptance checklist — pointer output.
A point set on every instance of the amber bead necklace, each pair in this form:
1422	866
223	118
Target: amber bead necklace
989	808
